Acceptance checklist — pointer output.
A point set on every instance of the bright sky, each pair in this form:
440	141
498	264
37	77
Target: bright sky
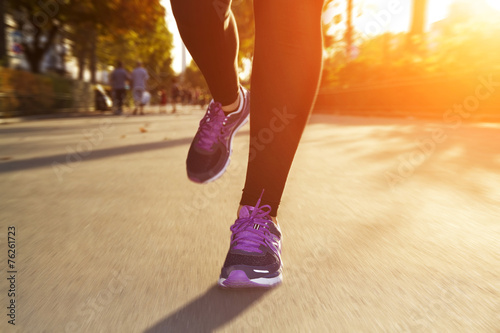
377	16
172	26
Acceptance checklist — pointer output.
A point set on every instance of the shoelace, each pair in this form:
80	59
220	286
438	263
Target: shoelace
211	126
252	231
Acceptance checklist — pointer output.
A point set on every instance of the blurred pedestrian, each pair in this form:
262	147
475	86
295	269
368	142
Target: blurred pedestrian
118	81
162	99
175	95
139	78
286	71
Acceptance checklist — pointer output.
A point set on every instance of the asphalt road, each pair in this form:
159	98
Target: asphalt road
390	225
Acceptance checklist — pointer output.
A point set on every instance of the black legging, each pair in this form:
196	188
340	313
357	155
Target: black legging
285	75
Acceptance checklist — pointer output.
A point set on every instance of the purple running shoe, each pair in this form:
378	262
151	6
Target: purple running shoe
254	257
210	151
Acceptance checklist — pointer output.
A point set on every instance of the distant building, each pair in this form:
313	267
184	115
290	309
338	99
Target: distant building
58	58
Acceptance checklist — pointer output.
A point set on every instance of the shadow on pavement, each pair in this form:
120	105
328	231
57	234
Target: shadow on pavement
208	312
67	159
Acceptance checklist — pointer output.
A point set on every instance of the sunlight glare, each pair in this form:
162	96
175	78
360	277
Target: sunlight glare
495	4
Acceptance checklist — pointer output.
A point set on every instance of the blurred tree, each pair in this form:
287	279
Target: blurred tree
194	78
339	33
243	12
39	23
152	48
96	24
3	40
85	22
333	32
467	41
348	37
79	47
418	17
416	34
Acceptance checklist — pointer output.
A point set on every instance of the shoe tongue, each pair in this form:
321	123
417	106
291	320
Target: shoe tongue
217	109
248	243
244	212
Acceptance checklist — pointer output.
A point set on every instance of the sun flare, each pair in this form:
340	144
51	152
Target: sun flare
495	4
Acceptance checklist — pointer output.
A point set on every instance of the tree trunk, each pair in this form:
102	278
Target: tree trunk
93	56
81	66
417	26
349	30
418	18
35	53
80	48
3	42
34	59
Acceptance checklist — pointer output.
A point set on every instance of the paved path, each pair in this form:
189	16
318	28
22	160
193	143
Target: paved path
389	225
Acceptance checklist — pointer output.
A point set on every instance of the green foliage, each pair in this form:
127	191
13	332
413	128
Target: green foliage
115	16
152	48
243	13
25	93
194	78
128	29
40	22
454	47
470	45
